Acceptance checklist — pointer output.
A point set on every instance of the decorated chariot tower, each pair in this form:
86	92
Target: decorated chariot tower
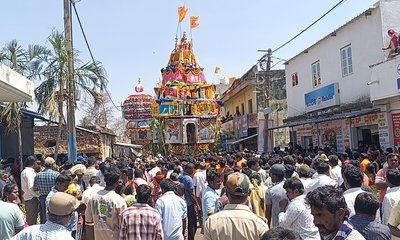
136	109
185	108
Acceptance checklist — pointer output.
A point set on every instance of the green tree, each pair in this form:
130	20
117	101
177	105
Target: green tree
29	63
90	78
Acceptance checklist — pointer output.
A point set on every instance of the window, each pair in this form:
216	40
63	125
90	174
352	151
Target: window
316	74
295	79
242	108
347	60
250	105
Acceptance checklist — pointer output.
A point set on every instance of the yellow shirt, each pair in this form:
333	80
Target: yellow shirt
257	199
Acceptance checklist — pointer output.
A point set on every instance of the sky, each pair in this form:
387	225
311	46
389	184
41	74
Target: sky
133	39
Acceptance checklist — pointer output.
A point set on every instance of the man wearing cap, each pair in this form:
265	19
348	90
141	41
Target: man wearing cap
60	211
275	194
236	221
44	181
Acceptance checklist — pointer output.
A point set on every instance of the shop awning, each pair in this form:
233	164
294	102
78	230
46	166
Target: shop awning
329	118
243	139
348	115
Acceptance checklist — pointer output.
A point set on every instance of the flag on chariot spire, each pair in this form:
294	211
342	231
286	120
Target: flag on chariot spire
194	22
216	70
182	10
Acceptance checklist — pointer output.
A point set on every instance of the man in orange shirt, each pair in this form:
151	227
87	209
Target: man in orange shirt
240	160
364	162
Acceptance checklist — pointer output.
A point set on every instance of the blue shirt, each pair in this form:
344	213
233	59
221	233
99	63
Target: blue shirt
45	180
369	228
208	201
172	210
188	183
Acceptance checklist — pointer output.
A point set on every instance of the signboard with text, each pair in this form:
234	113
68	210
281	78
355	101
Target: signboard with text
322	98
396	128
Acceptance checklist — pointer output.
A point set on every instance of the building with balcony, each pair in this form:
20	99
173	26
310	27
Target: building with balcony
328	84
242	111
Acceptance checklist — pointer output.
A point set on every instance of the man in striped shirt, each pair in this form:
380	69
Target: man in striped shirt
140	221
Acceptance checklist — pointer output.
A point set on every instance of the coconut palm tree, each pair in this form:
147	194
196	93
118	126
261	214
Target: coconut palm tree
90	78
28	63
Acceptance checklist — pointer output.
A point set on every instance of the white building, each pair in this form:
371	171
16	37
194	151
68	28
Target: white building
328	95
14	87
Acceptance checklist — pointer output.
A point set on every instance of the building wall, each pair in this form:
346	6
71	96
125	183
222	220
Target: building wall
241	98
365	34
9	140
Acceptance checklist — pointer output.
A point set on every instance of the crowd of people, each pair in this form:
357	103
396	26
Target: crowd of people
242	195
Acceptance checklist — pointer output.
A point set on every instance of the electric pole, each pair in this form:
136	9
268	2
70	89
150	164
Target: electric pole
267	93
71	130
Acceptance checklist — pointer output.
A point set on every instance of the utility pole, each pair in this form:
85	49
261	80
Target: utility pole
71	130
267	93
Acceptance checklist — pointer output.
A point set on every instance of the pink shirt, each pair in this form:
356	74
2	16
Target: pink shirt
381	178
394	42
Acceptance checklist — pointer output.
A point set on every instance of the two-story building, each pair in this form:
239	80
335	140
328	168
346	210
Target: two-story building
329	91
241	110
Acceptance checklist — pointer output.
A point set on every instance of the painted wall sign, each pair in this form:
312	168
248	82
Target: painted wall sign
396	128
322	98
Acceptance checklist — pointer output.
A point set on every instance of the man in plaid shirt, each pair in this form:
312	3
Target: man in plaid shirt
141	222
43	183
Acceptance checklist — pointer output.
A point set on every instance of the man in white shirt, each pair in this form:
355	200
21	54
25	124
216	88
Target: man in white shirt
353	178
199	180
94	183
155	168
336	170
304	174
172	210
323	177
392	196
138	177
31	197
90	171
297	215
275	194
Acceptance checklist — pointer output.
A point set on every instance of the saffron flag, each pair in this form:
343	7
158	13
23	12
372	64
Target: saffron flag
194	21
182	10
217	70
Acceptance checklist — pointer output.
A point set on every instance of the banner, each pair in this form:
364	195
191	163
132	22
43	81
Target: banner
206	133
173	133
396	128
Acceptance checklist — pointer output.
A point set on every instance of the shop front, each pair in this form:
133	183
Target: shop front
357	130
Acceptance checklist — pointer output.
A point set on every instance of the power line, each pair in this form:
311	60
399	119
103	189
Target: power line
90	51
330	10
